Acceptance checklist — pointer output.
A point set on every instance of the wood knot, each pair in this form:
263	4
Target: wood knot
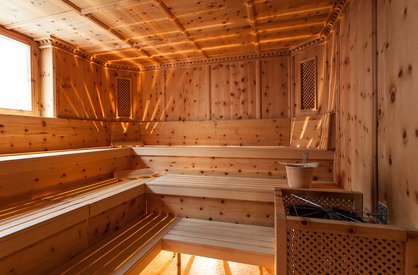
393	94
304	222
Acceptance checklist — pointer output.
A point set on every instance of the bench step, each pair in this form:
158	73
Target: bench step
247	244
28	222
127	250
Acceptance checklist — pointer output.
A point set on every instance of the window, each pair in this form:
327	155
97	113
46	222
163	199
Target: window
15	76
308	85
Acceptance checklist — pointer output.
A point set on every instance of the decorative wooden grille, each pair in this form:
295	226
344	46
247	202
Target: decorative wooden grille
124	97
308	86
313	252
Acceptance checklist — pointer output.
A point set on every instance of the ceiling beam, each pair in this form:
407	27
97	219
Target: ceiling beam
108	28
252	16
170	14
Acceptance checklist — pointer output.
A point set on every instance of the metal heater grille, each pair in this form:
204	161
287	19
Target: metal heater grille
308	84
124	97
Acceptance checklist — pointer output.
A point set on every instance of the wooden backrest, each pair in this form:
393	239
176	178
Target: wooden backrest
217	132
310	131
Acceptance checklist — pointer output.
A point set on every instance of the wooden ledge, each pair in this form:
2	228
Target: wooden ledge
60	153
235	188
262	152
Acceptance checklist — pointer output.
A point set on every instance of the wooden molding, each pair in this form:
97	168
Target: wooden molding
57	43
329	25
217	60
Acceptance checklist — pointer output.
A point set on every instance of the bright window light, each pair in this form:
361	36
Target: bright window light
15	75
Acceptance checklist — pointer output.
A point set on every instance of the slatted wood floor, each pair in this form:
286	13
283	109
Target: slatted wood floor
226	241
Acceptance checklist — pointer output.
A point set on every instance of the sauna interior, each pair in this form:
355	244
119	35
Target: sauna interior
133	128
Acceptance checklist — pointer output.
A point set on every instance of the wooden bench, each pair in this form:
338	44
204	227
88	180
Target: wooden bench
27	224
247	244
127	251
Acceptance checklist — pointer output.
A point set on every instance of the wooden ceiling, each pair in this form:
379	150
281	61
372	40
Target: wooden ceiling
144	32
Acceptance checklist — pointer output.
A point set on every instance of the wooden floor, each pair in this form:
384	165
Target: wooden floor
165	264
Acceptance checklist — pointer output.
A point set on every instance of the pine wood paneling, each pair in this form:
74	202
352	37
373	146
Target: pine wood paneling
85	90
233	90
398	111
274	88
236	211
33	174
186	93
29	134
216	132
152	97
355	106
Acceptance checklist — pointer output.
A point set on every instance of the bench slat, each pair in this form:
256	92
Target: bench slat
226	241
124	250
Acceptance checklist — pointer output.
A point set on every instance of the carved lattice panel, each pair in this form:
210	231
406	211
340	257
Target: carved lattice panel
311	252
308	91
124	97
335	200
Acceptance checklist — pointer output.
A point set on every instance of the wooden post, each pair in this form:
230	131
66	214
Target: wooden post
280	261
178	263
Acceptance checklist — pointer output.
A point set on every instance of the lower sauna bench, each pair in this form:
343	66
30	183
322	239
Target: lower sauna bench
47	230
127	251
248	244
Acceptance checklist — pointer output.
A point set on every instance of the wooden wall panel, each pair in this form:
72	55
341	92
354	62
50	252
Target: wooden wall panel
45	255
152	98
69	88
229	166
235	211
124	131
217	132
274	88
319	52
397	110
355	106
85	90
233	90
186	92
112	220
29	134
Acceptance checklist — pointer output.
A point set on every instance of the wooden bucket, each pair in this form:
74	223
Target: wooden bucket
299	176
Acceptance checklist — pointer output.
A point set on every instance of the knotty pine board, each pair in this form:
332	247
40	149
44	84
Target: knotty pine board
29	134
274	87
25	178
221	132
214	166
355	104
85	90
186	92
235	211
397	110
233	90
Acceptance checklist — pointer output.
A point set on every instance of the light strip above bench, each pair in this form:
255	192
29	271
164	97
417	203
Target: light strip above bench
263	152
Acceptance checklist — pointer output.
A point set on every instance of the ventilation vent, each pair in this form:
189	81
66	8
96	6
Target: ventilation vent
124	98
308	84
